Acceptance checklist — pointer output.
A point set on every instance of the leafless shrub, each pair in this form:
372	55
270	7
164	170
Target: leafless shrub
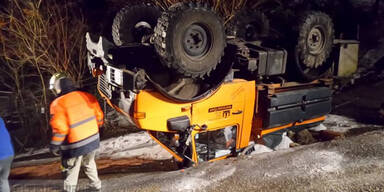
227	8
45	34
37	39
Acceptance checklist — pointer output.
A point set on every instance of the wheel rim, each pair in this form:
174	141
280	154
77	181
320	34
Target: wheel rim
133	22
141	29
316	41
196	41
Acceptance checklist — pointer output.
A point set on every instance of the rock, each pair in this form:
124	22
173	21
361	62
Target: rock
291	135
293	144
304	137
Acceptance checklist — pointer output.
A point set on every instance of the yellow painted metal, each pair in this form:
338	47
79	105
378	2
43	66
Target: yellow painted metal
267	131
233	104
177	157
230	105
348	59
219	158
158	109
250	99
194	152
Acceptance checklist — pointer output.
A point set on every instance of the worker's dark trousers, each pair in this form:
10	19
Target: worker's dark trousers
5	168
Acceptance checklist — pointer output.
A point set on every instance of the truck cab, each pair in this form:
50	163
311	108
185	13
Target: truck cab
224	123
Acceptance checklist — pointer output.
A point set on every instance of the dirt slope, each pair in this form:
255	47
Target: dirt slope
355	163
351	164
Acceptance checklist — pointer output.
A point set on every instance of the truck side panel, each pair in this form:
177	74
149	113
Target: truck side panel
233	104
152	110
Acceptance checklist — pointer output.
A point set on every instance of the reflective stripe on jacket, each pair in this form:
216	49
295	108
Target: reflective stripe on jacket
75	121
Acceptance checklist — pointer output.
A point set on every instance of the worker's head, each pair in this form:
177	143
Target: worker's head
60	83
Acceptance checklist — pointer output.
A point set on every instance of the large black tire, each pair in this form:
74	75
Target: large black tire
314	43
251	25
133	22
190	39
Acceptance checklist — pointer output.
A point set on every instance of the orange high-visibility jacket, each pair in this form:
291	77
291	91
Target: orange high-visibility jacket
75	120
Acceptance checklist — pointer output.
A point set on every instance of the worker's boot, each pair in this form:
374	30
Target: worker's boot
93	189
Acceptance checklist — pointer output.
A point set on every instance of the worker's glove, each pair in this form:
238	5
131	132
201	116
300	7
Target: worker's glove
55	150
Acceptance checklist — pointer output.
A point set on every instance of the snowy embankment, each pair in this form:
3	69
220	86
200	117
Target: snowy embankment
136	145
348	164
141	145
343	124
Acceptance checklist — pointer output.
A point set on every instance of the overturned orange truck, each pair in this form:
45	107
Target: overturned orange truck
205	92
224	123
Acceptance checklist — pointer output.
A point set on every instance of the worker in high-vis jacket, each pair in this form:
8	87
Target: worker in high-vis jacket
75	120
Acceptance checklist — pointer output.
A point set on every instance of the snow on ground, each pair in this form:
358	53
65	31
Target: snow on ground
141	145
135	145
132	145
285	142
32	152
322	161
258	148
201	179
330	161
314	167
343	124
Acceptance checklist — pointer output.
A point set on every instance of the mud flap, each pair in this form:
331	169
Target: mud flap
273	139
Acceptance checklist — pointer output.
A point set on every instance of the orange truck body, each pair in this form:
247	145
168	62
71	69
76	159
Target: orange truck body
234	104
